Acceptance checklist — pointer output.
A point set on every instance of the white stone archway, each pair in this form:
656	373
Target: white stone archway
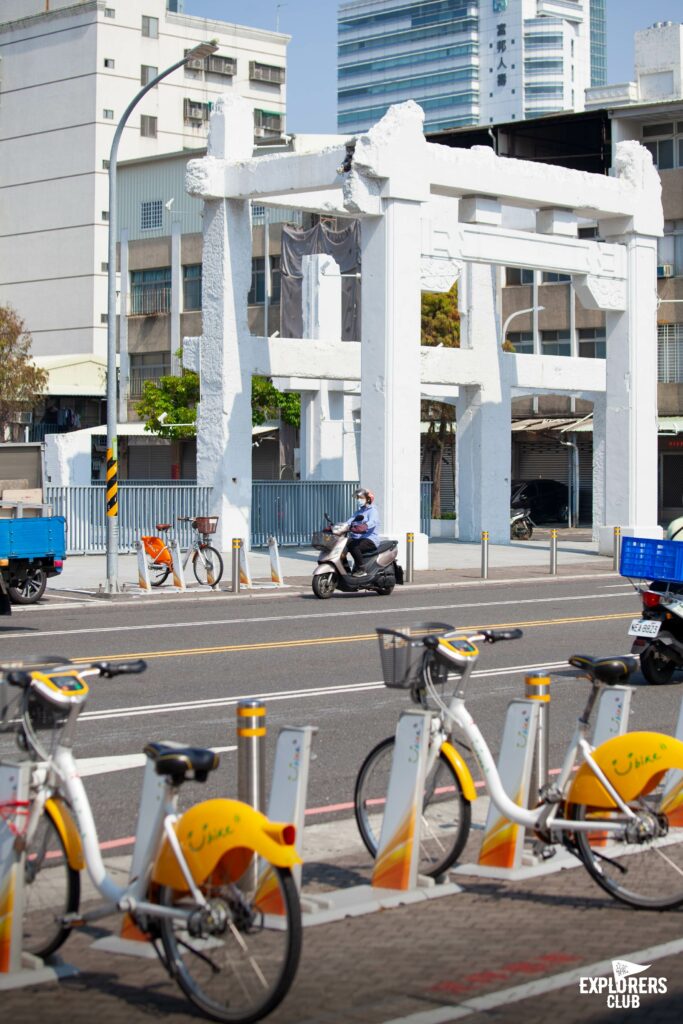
430	214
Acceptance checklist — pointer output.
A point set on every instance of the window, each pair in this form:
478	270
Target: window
592	342
555	343
147	73
107	114
662	153
670	353
266	73
148	126
670	249
549	277
523	341
192	286
104	318
150	291
147	366
667	150
217	65
104	267
267	122
518	275
257	292
105	214
105	165
109	62
195	113
151	214
150	27
109	12
588	231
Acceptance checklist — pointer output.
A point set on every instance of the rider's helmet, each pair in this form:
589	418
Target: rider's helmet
364	495
675	529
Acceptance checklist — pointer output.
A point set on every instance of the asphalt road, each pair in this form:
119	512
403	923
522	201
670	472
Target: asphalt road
313	663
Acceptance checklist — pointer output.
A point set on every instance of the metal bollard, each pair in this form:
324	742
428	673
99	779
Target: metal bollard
484	554
616	551
410	556
251	753
236	545
553	552
538	688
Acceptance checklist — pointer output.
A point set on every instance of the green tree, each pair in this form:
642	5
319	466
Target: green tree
21	381
440	325
178	397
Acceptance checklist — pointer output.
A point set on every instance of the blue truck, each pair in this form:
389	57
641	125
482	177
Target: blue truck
31	550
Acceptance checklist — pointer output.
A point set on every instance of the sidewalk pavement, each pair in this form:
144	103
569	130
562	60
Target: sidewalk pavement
449	561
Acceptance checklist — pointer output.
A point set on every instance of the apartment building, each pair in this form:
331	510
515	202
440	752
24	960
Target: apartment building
67	72
467	62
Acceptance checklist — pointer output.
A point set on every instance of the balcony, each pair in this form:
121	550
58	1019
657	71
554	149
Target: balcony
150	299
139	375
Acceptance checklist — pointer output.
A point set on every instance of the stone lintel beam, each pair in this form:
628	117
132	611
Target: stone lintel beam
600	292
284	174
304	357
507	247
555	373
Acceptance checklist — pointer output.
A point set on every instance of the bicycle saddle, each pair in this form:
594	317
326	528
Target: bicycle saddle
605	670
177	761
163	526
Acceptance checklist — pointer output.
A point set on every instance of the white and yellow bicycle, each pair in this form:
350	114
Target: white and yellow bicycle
621	812
211	889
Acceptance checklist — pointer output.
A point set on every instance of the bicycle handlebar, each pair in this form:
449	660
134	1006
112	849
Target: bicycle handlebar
489	636
21	677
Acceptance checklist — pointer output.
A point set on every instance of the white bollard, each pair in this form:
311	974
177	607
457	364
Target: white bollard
178	571
143	569
275	567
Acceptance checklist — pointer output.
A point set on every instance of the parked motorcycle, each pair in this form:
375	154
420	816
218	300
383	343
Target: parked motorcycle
521	524
659	632
335	572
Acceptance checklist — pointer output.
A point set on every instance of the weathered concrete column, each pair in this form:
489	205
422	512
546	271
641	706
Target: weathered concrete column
390	369
483	415
631	400
224	419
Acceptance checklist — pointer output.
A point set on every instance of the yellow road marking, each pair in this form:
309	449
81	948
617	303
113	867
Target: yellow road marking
270	645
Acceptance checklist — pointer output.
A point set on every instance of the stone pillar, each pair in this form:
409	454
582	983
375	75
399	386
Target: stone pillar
224	434
483	414
631	401
322	409
599	414
390	369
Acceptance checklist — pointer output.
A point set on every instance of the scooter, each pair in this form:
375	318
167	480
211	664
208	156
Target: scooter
659	633
334	572
521	524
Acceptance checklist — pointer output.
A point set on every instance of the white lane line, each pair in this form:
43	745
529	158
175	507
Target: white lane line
356	613
88	766
318	691
531	989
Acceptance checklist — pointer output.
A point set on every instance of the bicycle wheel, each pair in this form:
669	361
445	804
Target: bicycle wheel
645	874
235	963
446	814
207	562
51	889
158	573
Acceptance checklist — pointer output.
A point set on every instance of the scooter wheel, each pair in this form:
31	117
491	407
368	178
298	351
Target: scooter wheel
384	591
324	585
655	666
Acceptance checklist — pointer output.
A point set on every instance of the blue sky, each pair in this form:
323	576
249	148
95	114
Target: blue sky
311	62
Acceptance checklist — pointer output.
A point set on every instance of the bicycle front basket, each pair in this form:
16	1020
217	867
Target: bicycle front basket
206	524
401	652
323	540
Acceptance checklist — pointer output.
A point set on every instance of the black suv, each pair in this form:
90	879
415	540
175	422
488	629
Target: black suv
547	500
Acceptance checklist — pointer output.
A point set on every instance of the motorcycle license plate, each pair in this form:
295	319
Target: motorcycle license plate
644	627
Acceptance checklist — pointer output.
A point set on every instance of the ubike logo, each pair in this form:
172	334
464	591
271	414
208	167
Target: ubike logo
624	989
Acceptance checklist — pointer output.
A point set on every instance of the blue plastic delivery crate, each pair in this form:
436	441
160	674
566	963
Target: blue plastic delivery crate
647	559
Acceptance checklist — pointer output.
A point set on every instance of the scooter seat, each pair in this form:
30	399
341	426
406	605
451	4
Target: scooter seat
385	545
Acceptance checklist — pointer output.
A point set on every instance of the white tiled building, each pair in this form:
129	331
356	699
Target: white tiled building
67	72
467	62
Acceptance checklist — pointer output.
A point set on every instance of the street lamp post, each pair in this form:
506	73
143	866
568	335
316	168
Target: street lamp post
111	488
518	312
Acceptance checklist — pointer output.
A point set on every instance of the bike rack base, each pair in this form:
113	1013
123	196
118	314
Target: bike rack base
34	971
367	899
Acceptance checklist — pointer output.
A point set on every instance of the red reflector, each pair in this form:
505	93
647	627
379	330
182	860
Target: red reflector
650	599
289	835
58	563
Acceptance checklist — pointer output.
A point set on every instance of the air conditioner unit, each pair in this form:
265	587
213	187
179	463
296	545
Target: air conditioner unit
259	133
196	64
25	416
665	270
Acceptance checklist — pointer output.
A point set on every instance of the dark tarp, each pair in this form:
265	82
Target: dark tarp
344	247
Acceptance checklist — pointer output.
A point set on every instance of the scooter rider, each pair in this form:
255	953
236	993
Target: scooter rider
363	529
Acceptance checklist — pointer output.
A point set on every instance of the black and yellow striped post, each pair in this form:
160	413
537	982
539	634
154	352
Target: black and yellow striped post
538	688
251	753
112	482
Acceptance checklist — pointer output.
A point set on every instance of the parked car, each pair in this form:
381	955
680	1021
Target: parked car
547	499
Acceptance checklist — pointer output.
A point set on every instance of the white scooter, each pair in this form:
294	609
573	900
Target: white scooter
334	572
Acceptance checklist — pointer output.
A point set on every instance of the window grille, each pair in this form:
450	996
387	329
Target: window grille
226	66
151	214
266	73
194	112
670	353
192	286
109	62
109	12
150	291
107	114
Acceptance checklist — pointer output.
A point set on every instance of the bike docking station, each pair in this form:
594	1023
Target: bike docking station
178	584
241	572
506	851
18	969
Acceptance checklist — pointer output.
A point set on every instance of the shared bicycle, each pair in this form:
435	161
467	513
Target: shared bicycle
207	563
211	888
617	807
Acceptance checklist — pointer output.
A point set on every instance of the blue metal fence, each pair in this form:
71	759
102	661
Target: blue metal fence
288	510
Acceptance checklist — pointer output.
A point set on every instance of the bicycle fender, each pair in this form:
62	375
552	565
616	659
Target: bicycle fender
461	770
633	764
68	833
218	838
